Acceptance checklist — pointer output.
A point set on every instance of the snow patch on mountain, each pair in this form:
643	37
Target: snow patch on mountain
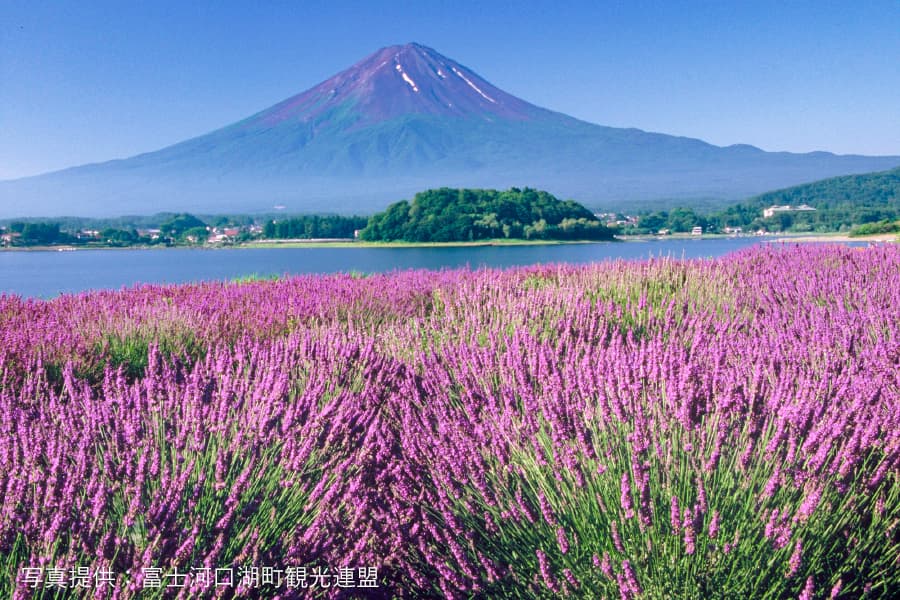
407	78
473	86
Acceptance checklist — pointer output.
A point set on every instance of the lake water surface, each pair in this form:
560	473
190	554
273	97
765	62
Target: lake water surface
45	274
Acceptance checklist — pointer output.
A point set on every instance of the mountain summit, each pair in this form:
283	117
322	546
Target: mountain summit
404	119
398	81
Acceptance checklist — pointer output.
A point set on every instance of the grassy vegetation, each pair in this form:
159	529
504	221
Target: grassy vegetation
877	228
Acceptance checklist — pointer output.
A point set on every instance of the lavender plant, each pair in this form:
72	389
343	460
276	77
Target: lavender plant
694	429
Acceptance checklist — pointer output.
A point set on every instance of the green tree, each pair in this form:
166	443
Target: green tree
33	234
472	214
119	237
176	226
194	235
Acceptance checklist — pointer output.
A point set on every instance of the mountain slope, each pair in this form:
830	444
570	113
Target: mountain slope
401	120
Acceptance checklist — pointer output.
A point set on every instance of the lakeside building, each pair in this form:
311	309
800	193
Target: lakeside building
222	234
612	219
697	231
772	210
153	234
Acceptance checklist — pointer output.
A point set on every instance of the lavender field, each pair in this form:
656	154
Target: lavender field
723	428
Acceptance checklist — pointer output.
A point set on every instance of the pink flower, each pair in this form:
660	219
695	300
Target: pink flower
808	589
794	562
546	573
714	525
675	515
625	497
562	540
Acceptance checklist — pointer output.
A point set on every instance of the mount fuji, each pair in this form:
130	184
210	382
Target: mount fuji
402	120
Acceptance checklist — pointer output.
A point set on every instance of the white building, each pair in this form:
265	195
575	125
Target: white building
772	210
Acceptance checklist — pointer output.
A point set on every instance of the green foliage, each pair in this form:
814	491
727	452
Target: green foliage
840	202
119	237
874	189
883	226
130	222
194	235
231	220
458	215
678	220
313	226
130	350
128	231
254	277
178	225
38	233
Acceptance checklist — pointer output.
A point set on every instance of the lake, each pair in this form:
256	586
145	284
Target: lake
45	274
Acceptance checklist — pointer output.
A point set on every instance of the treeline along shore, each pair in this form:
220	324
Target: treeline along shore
857	205
435	216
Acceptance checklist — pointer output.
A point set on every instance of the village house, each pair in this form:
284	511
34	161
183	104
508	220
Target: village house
223	234
153	234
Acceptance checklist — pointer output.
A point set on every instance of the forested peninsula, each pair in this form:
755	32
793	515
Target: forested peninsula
462	215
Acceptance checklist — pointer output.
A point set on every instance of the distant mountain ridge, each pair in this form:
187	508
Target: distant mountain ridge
402	120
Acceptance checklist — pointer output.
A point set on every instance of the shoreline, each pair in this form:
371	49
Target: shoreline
838	238
319	243
650	237
356	244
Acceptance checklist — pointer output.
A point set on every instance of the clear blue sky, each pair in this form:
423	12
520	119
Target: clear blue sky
94	80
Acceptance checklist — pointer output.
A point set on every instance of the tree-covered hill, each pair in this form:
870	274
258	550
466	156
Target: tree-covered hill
840	203
455	215
847	203
869	189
